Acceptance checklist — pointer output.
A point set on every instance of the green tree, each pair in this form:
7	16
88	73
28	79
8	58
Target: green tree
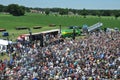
117	14
1	8
99	13
106	13
47	11
84	12
16	10
63	11
27	9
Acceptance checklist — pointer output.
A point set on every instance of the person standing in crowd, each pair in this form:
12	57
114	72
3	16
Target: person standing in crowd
96	57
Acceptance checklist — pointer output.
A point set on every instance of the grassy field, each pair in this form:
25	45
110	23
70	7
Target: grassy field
9	22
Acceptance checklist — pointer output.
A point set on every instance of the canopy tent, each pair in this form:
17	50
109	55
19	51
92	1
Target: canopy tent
19	38
3	45
5	42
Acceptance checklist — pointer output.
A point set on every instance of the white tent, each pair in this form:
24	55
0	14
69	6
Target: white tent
3	45
5	42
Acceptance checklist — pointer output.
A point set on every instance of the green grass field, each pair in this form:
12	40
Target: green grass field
9	22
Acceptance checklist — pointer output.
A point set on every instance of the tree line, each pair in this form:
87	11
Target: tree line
84	12
13	9
17	10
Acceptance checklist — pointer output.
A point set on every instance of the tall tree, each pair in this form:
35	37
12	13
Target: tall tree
47	11
16	10
84	12
1	8
99	13
106	13
63	11
27	9
117	14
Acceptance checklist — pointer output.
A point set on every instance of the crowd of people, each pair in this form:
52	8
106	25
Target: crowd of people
94	57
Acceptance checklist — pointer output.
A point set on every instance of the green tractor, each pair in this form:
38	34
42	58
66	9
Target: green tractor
70	31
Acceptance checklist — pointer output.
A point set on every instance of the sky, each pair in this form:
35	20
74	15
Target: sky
74	4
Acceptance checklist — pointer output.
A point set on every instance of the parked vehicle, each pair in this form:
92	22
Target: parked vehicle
70	31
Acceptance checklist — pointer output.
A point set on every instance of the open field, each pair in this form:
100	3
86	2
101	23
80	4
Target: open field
9	22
